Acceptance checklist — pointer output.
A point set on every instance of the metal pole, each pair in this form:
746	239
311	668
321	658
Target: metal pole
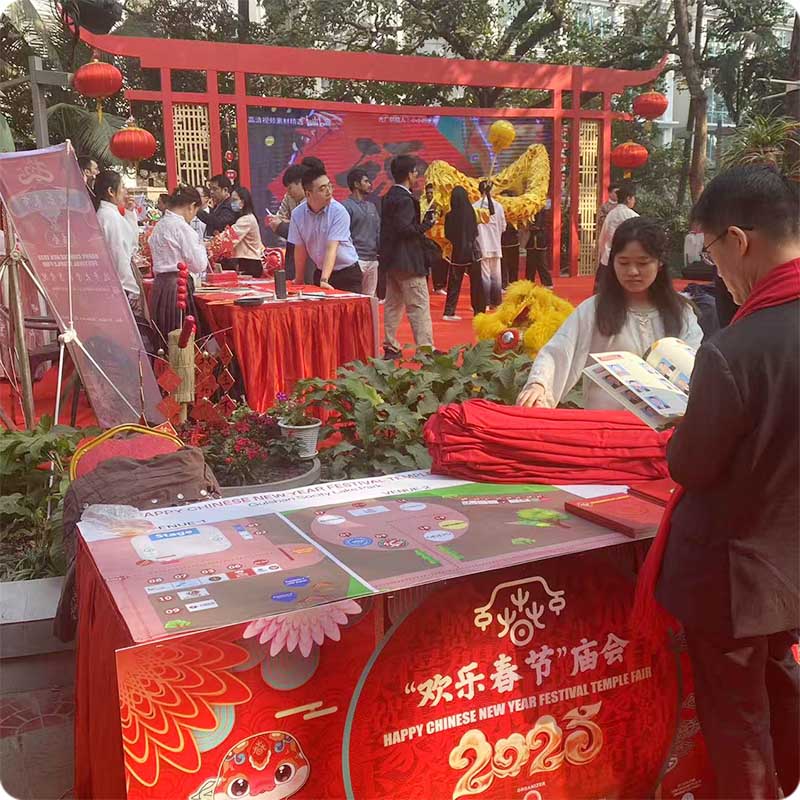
18	321
40	131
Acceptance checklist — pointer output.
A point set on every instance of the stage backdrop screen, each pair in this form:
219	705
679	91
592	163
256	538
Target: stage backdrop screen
280	137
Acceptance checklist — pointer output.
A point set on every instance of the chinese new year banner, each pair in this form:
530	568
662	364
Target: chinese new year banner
57	226
279	137
526	682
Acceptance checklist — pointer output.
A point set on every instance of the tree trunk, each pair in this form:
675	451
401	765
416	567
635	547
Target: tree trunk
791	102
683	181
690	54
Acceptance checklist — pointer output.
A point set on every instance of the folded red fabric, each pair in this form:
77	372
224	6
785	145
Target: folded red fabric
484	441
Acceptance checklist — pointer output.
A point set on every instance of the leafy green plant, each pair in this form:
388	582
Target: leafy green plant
30	507
376	410
764	140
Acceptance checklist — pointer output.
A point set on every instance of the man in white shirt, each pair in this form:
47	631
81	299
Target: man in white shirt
626	200
490	235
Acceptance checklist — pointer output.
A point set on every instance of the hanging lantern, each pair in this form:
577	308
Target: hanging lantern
629	156
133	144
650	105
229	156
231	174
98	80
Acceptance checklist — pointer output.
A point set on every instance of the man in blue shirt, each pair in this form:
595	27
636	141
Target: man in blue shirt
320	229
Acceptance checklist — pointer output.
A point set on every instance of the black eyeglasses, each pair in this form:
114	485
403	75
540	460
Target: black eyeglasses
705	249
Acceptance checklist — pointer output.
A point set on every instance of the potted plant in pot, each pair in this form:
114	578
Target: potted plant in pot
296	423
249	454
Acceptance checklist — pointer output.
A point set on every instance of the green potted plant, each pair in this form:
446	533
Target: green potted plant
249	454
296	423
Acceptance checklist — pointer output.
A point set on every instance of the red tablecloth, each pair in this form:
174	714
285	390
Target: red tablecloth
278	344
99	764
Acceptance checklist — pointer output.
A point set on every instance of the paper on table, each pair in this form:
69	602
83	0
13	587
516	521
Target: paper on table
589	491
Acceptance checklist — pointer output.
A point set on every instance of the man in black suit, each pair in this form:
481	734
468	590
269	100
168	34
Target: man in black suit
731	569
401	258
222	214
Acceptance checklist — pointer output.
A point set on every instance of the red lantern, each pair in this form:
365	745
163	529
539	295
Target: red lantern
650	105
98	80
133	144
231	174
628	156
229	156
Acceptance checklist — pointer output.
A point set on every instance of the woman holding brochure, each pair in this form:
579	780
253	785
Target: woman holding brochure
635	306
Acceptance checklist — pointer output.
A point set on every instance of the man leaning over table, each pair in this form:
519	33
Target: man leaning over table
320	229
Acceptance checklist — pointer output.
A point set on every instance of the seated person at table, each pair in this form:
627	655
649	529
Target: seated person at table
635	305
173	241
248	249
320	228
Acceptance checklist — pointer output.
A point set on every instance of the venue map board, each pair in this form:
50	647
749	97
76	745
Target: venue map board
225	561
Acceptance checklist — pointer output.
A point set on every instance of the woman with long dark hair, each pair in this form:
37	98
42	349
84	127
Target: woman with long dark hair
120	228
461	230
173	241
491	225
635	305
249	248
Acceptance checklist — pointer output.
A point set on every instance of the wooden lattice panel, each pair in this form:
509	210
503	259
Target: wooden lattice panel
588	195
192	143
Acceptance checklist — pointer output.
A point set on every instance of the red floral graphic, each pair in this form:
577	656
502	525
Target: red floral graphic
166	691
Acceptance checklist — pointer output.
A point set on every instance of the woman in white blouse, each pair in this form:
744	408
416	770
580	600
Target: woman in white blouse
635	306
174	241
249	248
489	238
120	229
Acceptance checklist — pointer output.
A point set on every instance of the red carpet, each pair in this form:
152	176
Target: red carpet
446	335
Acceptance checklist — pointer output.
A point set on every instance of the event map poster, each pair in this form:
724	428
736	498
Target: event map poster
224	561
52	213
526	682
344	140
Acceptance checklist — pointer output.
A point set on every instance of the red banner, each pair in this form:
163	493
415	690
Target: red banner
521	683
48	204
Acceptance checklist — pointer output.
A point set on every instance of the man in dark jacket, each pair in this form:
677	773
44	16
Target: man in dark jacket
222	214
402	257
731	569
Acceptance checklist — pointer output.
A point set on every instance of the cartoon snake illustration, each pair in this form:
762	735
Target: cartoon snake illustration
266	766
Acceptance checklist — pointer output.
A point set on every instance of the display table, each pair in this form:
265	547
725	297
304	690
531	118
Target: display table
414	637
281	342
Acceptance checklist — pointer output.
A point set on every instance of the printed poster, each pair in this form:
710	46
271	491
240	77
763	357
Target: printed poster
47	202
226	561
525	682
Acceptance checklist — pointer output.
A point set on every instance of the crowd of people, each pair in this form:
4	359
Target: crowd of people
358	245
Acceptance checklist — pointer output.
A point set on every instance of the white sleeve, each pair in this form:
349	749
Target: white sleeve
691	332
559	364
194	252
118	237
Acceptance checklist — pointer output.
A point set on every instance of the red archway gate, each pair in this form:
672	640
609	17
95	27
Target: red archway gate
192	129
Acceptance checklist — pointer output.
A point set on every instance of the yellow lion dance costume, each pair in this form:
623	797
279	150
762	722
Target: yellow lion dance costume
529	314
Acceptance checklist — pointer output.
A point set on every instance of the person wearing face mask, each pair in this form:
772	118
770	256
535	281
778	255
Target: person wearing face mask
172	242
249	248
635	305
120	229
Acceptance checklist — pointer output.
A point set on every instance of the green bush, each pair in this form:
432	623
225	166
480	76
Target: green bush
31	544
378	409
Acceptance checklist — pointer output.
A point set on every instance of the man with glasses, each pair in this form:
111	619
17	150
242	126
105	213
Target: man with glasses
731	568
320	229
402	259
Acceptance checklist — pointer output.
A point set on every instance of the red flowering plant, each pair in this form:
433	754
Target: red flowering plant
247	448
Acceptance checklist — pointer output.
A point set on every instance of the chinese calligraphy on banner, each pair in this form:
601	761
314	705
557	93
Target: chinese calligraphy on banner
408	696
47	202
